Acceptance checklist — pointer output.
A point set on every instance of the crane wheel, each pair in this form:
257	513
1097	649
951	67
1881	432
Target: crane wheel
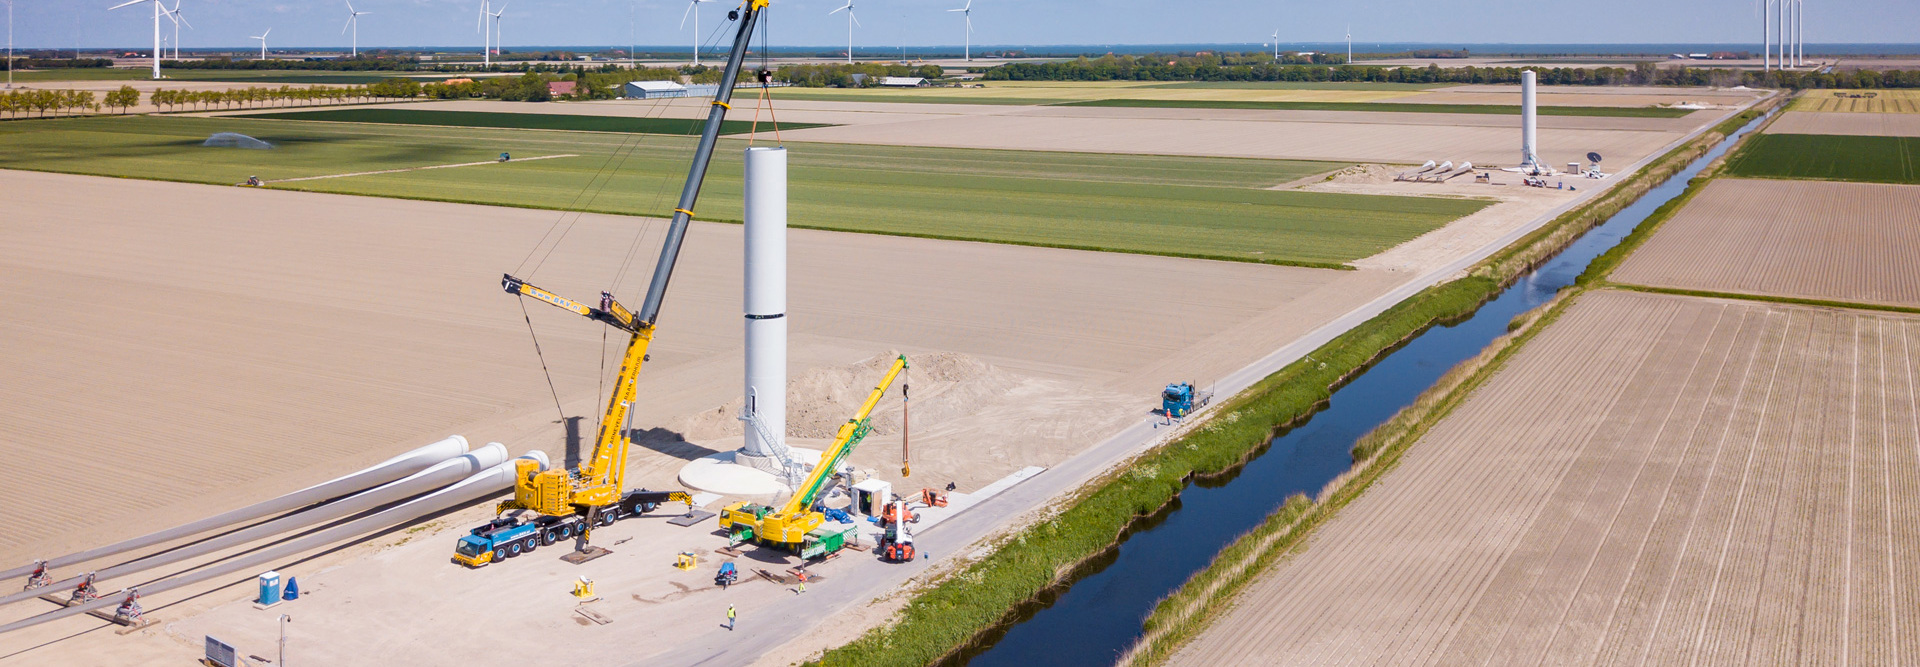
499	554
513	549
550	536
529	544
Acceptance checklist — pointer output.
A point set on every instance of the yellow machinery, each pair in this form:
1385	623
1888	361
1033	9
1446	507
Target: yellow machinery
796	526
571	502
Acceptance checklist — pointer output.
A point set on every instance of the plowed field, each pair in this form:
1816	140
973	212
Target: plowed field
1857	101
1852	124
1837	241
1655	479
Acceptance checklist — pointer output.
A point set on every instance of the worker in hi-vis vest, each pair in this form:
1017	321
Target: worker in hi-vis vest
729	617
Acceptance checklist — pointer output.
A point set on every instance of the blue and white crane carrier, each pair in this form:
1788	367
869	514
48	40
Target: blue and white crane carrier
1181	398
506	537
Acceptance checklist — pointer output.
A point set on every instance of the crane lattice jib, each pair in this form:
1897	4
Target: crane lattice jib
851	433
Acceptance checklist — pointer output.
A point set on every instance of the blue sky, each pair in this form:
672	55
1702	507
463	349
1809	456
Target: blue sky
890	23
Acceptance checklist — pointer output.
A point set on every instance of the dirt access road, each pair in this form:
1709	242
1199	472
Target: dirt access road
1718	482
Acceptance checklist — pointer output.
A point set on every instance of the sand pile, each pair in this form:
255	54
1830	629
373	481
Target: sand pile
946	386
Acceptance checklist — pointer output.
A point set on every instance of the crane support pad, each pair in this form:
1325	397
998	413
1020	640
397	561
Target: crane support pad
693	518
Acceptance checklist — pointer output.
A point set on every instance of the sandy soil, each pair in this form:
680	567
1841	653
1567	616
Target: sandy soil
282	338
1518	205
1721	482
1815	239
1856	124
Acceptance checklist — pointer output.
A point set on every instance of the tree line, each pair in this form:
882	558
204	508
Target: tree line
18	102
1250	67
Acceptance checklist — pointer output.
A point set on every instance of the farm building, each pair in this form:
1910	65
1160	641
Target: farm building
646	90
558	88
903	82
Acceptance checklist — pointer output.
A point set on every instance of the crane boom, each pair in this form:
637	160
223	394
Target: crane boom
596	486
850	435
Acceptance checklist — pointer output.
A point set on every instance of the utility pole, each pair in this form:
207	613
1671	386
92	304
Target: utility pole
284	619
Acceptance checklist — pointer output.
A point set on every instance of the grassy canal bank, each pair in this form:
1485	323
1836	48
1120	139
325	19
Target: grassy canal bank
986	596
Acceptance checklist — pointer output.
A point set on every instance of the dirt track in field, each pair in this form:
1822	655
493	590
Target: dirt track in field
1857	124
1789	238
172	350
1718	482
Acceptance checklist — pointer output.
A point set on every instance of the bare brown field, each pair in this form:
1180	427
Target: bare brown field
1811	239
1719	482
1854	124
196	348
1894	101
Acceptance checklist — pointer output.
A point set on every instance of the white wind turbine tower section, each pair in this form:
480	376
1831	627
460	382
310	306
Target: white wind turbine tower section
1276	45
1766	35
177	18
1349	44
157	8
851	22
263	42
353	23
965	13
693	8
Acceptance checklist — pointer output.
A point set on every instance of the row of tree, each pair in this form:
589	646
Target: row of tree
34	63
255	97
1249	67
18	102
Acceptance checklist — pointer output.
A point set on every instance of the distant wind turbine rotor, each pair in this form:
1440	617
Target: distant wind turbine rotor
496	25
263	42
177	18
157	9
353	23
486	37
965	13
693	8
851	22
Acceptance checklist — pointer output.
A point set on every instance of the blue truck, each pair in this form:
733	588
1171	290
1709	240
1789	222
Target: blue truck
507	537
1181	398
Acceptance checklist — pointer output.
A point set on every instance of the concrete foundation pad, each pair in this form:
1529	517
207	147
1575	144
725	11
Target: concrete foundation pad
717	473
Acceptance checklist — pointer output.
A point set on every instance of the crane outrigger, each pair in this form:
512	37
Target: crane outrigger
571	502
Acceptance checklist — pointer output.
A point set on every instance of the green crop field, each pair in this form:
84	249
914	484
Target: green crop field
1626	112
1300	85
1830	158
1185	206
521	121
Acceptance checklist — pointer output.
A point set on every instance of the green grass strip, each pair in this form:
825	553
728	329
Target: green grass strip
521	121
1513	110
1830	158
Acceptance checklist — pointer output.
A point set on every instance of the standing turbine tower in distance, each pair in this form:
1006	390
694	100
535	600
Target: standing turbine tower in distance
263	42
965	12
157	9
496	26
693	7
1276	45
1349	44
177	18
353	23
486	37
851	22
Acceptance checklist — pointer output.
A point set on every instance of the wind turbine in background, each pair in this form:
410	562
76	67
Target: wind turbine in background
486	37
157	8
496	26
178	18
965	12
353	23
263	42
851	22
1349	44
1276	45
693	7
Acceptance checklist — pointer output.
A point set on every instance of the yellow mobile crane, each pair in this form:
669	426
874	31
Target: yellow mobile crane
796	526
571	502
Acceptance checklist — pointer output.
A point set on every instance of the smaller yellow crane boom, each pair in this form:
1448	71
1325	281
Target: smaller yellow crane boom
789	525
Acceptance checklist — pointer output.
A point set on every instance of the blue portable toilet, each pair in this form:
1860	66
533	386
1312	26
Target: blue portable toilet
270	588
293	589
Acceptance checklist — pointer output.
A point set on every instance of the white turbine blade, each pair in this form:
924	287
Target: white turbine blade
125	4
349	6
969	6
183	19
480	24
683	15
969	24
503	10
343	29
956	10
844	8
856	19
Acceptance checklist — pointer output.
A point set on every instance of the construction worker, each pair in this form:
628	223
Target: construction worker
730	618
803	587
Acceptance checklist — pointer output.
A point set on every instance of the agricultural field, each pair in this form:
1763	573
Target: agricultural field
1390	107
1205	207
1850	242
1859	101
1850	124
1654	479
1055	92
1829	157
522	121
